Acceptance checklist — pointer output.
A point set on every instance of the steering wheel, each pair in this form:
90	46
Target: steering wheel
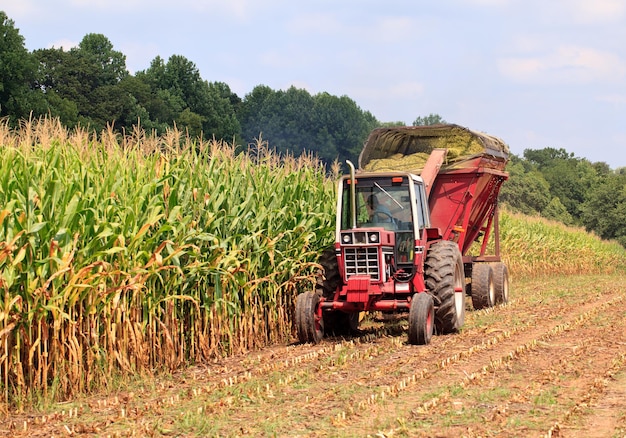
381	216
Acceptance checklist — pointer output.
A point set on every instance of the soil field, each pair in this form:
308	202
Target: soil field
552	362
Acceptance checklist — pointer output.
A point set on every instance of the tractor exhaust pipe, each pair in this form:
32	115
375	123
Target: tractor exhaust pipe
352	193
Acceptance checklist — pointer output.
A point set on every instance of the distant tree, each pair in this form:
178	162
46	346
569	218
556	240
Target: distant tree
392	124
605	209
555	210
547	156
221	119
340	127
109	66
179	95
140	93
250	114
570	178
601	168
18	69
431	119
282	118
83	85
293	121
526	190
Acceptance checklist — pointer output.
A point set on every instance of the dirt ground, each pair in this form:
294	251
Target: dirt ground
550	363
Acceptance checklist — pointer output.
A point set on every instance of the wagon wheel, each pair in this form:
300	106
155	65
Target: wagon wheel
309	324
501	282
421	319
483	290
445	280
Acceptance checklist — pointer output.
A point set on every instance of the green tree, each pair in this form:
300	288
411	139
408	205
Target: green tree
282	118
431	119
526	190
555	210
570	178
179	95
220	117
340	127
60	84
605	209
252	114
293	121
18	69
87	79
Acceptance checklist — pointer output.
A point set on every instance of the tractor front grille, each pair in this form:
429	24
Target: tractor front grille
362	260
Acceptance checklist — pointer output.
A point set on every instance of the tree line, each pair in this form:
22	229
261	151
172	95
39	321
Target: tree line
557	185
90	86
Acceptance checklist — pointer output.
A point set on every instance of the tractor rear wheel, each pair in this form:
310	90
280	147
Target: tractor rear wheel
421	319
309	326
483	290
501	282
445	280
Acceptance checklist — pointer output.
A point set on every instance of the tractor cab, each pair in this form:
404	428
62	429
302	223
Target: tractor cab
380	220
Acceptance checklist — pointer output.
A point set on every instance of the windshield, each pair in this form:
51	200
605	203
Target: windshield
380	202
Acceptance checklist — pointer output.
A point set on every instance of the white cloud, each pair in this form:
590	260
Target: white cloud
394	29
19	10
488	2
315	23
618	100
138	56
64	44
566	64
591	12
239	9
388	92
285	59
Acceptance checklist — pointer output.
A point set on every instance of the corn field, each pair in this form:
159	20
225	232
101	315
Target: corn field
137	253
532	246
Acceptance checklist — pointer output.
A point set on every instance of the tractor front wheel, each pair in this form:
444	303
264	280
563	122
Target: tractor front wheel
309	324
421	319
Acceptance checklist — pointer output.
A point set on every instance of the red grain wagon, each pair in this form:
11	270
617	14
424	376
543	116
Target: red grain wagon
423	200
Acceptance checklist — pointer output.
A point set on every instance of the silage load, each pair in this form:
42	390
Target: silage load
408	147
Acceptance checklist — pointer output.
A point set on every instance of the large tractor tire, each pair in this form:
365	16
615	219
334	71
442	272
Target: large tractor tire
445	280
483	290
309	326
330	279
335	322
501	282
421	319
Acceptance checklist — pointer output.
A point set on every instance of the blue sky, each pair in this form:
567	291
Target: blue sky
537	73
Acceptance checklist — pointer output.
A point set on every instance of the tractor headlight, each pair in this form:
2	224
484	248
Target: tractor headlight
373	237
346	238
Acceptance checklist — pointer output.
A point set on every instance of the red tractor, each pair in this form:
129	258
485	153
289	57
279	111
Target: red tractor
405	231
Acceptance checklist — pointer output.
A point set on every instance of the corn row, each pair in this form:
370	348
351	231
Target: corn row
518	351
130	254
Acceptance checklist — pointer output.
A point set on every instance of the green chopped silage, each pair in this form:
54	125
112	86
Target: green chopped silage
408	148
